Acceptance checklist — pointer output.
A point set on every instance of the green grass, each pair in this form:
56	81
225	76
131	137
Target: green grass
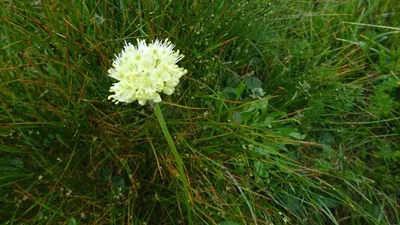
320	147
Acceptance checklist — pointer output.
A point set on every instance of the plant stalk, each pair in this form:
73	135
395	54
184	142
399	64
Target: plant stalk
177	157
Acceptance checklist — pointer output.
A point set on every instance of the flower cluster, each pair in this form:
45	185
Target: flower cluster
144	71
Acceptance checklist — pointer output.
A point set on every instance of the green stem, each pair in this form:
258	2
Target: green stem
177	157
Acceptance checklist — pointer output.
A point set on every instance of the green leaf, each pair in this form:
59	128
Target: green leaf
268	120
229	93
228	223
105	174
72	221
261	171
396	155
252	82
326	139
296	135
250	114
262	105
375	210
237	117
261	151
118	181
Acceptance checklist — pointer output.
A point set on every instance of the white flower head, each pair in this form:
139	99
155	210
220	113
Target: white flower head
144	71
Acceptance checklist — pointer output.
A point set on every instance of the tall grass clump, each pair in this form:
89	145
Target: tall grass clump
289	114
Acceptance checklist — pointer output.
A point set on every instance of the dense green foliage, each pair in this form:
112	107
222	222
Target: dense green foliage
289	114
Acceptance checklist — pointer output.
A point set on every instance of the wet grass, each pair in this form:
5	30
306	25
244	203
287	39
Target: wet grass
289	114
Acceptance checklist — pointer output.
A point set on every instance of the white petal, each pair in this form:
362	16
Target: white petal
144	71
165	76
172	83
168	90
142	102
156	97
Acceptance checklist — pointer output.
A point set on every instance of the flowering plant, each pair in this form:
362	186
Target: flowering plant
144	71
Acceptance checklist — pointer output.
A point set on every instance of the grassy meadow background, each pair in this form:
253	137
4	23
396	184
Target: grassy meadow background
289	113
